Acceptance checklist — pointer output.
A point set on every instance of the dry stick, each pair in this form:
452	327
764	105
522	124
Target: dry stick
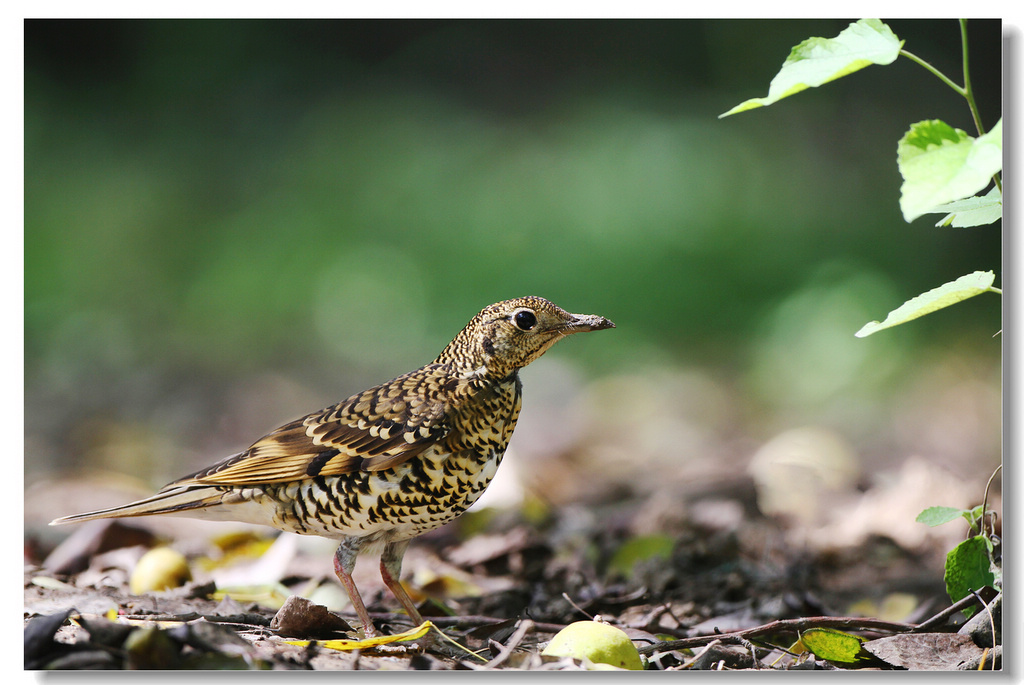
647	622
462	622
790	625
939	618
799	624
576	606
784	625
992	625
505	651
700	653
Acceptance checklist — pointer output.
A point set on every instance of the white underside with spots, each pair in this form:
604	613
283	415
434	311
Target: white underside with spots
339	507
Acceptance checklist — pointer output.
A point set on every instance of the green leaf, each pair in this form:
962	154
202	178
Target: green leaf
974	211
940	164
936	516
968	568
817	61
937	298
834	645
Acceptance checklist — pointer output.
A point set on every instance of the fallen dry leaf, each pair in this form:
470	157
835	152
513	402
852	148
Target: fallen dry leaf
925	651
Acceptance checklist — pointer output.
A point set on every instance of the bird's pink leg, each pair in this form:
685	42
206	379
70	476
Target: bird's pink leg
344	562
391	570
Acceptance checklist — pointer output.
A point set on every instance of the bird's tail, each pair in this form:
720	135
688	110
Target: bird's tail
189	501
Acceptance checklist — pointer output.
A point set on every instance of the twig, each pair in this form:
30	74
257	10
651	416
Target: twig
649	620
791	625
753	653
940	618
458	646
465	622
505	651
991	624
699	654
576	606
794	625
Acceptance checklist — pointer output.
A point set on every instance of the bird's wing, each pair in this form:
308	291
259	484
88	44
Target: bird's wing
374	430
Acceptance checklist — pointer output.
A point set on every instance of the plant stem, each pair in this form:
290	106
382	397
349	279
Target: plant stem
969	94
945	79
968	91
984	502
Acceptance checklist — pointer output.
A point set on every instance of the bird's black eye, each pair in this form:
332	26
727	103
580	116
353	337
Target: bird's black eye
525	319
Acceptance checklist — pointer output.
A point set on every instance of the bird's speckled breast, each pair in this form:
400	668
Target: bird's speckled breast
419	495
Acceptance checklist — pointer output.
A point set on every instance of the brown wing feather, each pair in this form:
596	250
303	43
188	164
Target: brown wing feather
377	429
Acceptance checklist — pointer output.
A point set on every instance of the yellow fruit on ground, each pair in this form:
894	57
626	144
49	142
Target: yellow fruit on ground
161	568
597	642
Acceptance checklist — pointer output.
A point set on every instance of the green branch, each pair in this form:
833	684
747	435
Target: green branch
945	79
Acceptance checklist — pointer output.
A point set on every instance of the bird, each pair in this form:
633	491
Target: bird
389	463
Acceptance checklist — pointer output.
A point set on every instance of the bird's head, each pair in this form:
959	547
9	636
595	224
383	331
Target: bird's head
507	336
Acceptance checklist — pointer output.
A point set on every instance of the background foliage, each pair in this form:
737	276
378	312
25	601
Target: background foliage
228	223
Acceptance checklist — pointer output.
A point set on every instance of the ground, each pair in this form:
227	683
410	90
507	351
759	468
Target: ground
698	579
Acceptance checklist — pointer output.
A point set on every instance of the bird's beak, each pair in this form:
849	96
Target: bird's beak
587	322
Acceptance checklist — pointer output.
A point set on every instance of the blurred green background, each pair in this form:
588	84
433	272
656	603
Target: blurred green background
231	223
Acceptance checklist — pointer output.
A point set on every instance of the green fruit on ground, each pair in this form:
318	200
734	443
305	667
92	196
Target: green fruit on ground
597	642
161	568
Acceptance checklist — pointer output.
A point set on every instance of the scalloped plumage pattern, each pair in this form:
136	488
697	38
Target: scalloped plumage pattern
389	463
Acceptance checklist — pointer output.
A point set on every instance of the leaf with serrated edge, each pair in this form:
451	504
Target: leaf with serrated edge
817	61
940	164
945	295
